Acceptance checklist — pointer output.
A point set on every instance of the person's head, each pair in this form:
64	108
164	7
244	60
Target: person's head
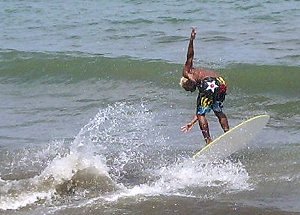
187	84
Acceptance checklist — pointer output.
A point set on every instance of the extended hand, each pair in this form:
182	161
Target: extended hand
187	127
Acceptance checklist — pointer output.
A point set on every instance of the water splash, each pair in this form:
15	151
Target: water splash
191	178
109	160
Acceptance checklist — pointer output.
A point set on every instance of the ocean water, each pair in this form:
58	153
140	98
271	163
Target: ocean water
91	108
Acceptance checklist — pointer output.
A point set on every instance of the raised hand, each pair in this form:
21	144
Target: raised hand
193	34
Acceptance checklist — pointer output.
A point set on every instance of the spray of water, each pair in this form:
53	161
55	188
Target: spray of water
109	159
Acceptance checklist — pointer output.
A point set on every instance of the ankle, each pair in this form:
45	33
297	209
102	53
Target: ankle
208	140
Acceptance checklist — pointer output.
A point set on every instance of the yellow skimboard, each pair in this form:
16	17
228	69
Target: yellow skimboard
233	140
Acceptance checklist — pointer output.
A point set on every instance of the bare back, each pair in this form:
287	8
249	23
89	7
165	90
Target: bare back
200	74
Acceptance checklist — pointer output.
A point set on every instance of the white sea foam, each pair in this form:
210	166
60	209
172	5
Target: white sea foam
86	157
23	199
17	194
181	178
85	154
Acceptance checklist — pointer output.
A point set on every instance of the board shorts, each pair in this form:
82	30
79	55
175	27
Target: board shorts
211	96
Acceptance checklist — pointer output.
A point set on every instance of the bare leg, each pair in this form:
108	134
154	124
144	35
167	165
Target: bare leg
222	120
203	124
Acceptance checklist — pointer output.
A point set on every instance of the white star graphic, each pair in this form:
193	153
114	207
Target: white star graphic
211	86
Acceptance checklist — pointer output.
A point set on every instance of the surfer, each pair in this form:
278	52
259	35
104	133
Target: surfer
212	90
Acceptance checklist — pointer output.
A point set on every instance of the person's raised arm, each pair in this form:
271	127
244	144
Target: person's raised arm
190	56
